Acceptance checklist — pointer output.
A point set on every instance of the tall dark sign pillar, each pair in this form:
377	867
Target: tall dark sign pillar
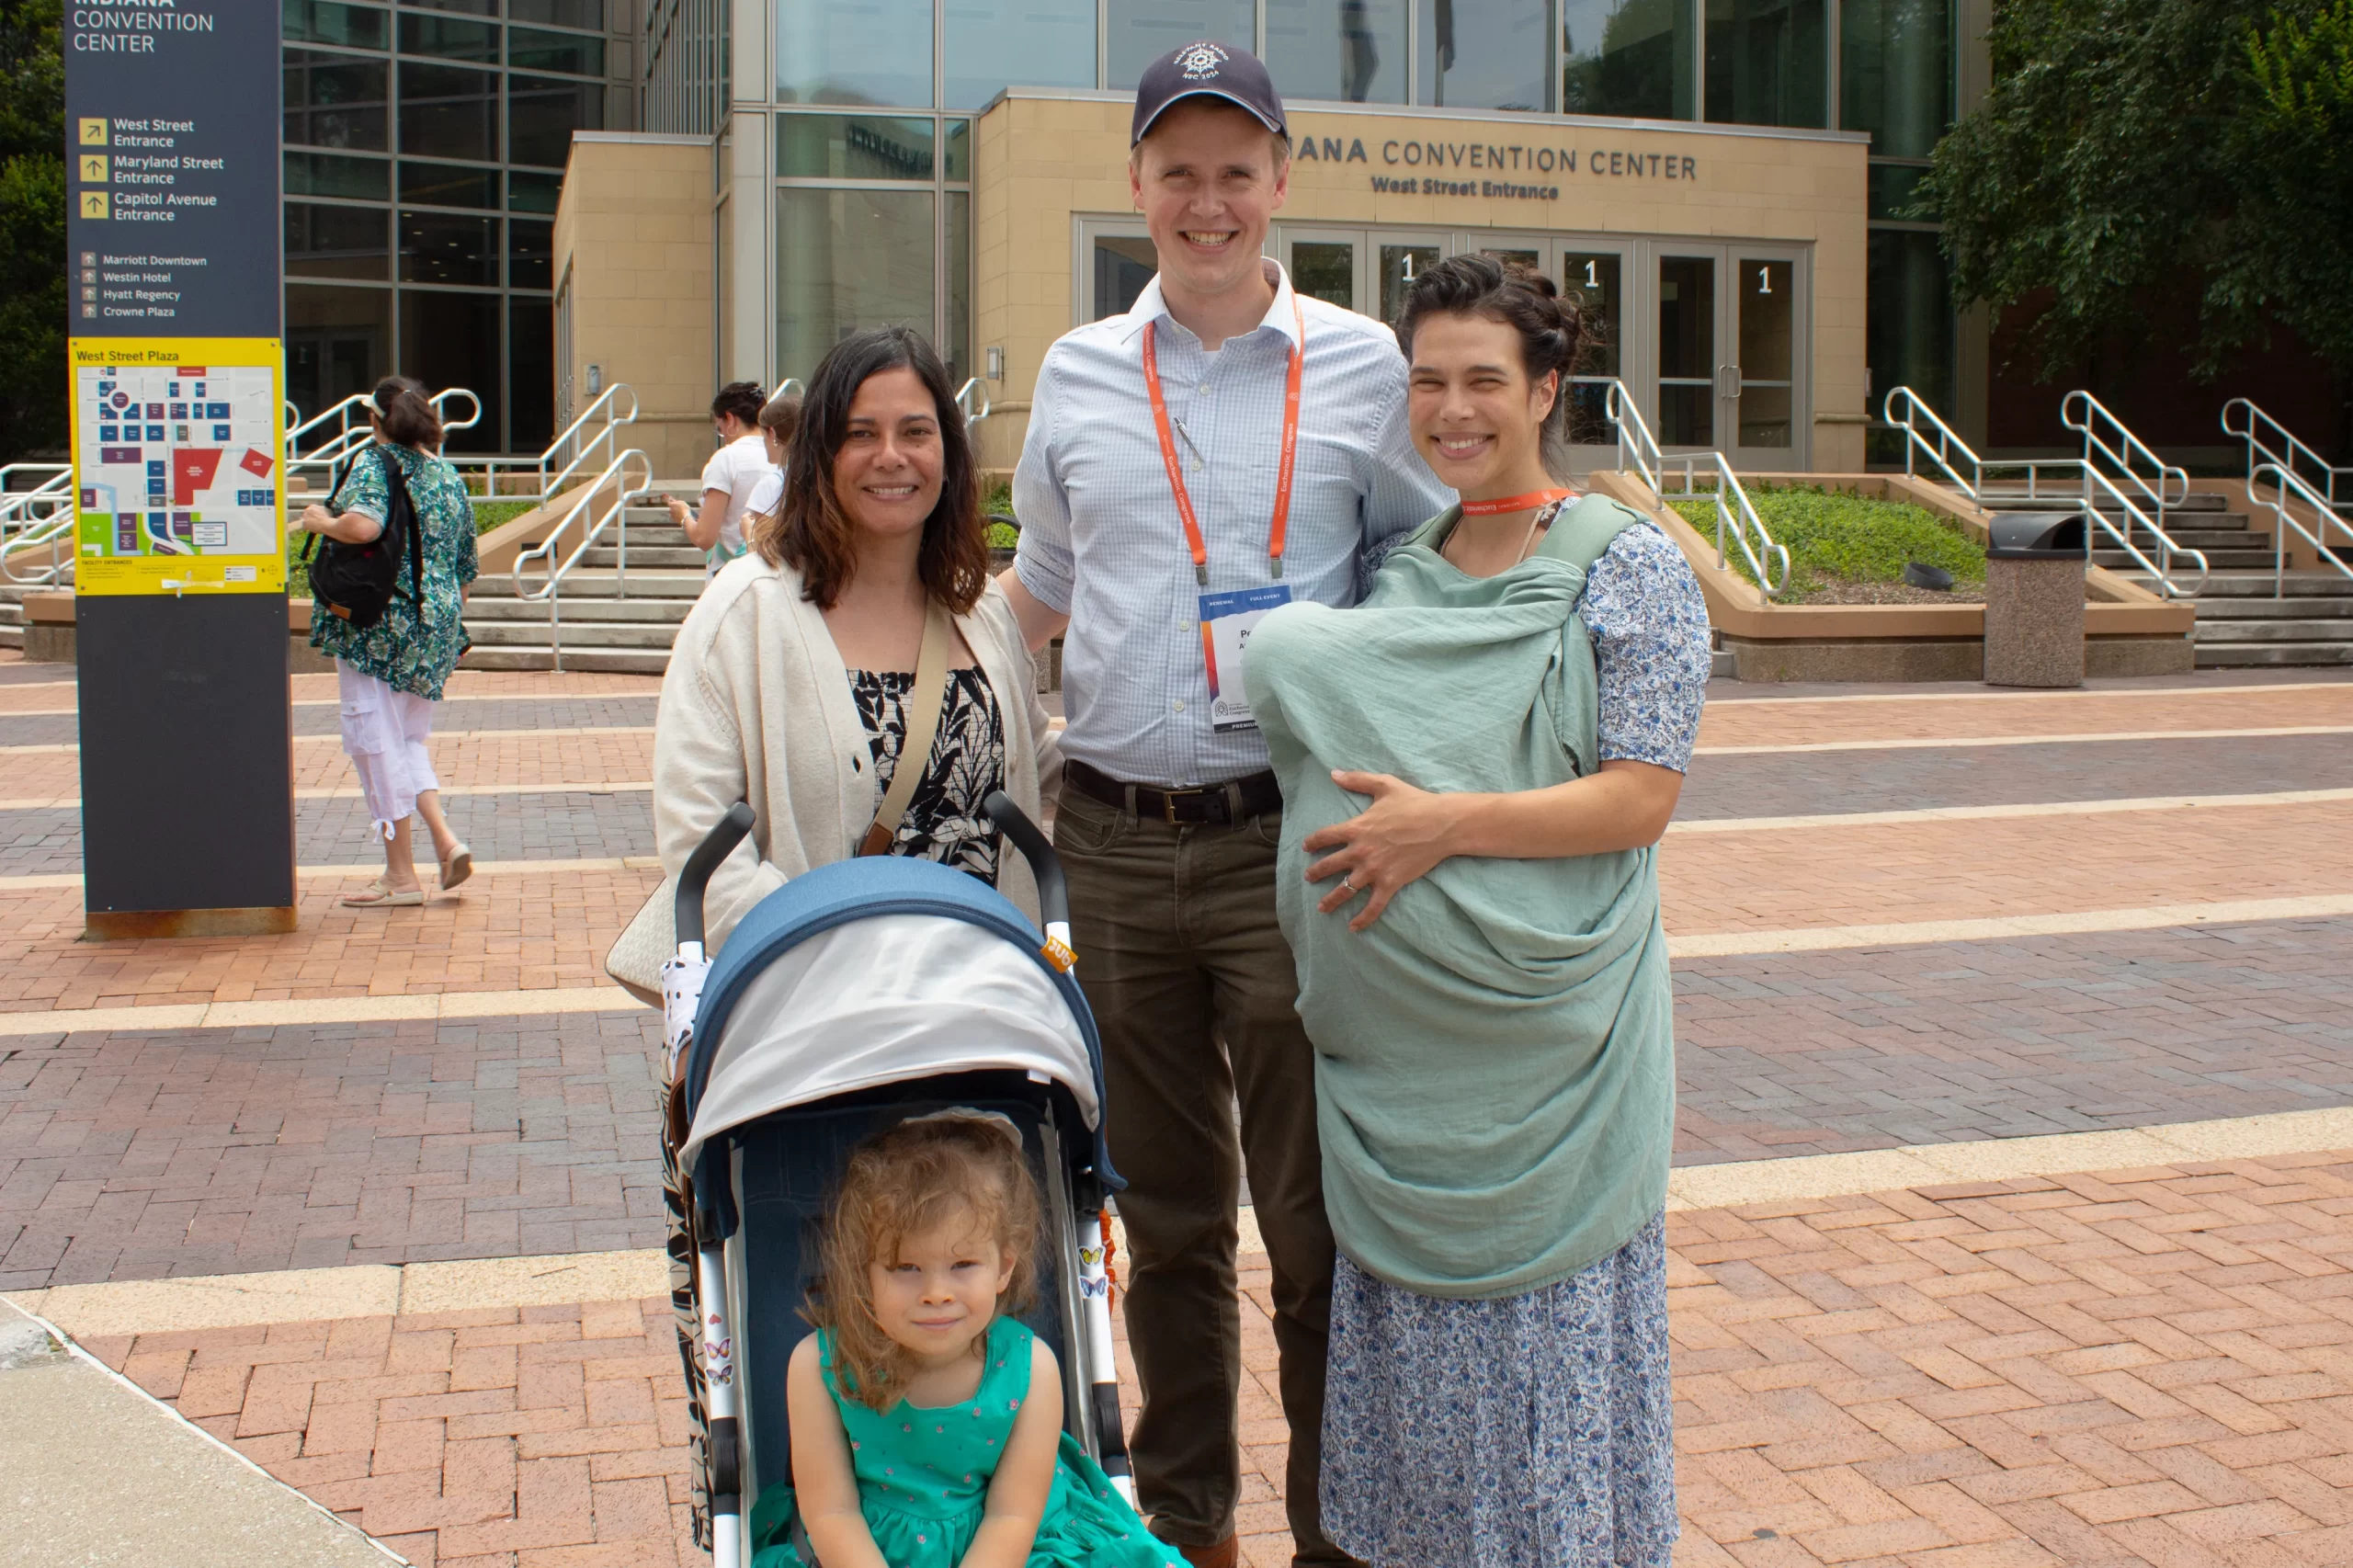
177	379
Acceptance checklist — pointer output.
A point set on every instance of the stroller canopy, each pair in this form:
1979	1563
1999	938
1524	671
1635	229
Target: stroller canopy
880	971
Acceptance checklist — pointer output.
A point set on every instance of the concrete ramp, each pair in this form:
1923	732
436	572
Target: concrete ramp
96	1474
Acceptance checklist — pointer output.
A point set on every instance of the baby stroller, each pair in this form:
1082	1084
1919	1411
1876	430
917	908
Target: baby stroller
856	995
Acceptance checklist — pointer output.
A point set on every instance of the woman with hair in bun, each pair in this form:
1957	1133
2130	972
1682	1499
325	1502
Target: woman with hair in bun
1477	766
390	674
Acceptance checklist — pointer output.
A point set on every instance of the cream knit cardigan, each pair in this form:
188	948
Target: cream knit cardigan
756	707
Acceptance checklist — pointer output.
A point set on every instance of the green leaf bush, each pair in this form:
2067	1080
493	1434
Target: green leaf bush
1832	534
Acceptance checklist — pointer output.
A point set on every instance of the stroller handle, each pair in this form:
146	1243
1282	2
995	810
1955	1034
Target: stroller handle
1053	895
716	845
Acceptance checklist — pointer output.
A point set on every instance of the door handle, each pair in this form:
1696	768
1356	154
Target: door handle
1727	380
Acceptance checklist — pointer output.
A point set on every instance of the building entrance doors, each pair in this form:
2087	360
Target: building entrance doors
1729	363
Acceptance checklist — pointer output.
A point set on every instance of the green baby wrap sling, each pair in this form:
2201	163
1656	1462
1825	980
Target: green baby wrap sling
1494	1058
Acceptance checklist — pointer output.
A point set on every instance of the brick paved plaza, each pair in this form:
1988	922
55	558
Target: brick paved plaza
2013	933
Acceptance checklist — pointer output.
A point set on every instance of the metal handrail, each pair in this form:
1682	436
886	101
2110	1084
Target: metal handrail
2082	472
1735	514
627	494
40	515
1907	414
2080	411
30	536
2287	483
351	436
606	402
963	400
1635	443
2290	448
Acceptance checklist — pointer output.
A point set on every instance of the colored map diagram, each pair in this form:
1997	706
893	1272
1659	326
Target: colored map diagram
177	468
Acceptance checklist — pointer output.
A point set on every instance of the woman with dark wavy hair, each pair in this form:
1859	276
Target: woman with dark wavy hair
793	682
1477	766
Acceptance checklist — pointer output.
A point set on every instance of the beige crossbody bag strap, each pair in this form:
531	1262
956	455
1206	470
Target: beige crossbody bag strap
924	703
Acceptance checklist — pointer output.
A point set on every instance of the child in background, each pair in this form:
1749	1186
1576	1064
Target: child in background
928	1420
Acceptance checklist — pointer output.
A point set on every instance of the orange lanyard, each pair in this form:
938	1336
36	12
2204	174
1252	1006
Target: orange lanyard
1282	476
1513	503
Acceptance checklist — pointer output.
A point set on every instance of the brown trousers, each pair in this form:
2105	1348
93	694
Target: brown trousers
1178	950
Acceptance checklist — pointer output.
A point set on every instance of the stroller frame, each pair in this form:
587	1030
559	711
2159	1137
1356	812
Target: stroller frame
1080	1227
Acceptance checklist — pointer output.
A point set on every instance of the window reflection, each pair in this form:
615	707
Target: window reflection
1352	50
1907	330
1141	31
339	341
335	242
854	51
1632	57
333	100
1123	265
847	259
450	339
1895	63
449	112
1484	54
442	247
1041	43
1767	63
543	111
841	146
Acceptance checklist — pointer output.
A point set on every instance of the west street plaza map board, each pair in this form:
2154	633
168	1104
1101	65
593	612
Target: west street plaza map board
179	456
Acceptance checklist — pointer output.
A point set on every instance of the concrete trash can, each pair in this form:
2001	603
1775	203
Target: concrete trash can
2034	599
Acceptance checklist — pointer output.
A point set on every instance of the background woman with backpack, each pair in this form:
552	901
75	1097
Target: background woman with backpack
390	592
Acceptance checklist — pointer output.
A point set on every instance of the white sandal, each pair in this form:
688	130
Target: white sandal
378	894
458	866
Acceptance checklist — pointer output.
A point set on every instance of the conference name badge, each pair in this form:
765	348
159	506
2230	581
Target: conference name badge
1227	621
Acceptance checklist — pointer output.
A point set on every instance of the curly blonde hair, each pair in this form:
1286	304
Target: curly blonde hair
902	1182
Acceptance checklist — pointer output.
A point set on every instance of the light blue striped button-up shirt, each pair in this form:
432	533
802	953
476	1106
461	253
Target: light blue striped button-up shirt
1102	540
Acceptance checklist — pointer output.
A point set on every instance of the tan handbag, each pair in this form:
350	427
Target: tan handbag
651	938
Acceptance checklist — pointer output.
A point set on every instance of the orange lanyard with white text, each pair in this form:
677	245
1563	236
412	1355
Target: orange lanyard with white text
1282	476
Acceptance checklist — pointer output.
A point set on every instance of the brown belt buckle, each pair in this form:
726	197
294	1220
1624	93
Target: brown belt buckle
1168	806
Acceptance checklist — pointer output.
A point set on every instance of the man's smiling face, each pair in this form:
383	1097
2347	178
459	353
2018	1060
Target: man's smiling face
1208	179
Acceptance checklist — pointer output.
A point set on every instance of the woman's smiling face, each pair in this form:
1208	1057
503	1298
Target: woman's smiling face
1476	418
887	471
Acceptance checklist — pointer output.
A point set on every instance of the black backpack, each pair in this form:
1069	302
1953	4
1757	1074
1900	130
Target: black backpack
356	583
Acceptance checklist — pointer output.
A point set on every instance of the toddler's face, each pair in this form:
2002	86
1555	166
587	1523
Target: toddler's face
942	1293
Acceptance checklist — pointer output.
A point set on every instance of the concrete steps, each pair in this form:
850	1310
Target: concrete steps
2241	625
606	618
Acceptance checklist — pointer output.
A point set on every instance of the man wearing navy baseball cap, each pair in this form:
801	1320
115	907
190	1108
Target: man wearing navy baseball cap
1225	446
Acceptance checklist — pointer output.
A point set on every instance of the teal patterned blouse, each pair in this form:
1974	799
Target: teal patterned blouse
403	652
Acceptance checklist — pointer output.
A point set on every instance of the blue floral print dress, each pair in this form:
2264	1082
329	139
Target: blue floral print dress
1537	1430
406	650
924	1475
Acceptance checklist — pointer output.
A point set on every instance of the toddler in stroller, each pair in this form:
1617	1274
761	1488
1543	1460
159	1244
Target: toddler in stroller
867	1011
927	1425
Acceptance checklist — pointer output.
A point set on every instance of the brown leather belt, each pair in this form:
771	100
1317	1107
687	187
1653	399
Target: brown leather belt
1215	805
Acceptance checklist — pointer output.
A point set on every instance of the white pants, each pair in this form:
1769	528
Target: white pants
384	734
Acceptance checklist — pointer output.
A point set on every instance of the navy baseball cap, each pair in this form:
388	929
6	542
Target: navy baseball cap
1206	69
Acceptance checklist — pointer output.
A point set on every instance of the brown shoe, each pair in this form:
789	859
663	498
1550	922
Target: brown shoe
1224	1554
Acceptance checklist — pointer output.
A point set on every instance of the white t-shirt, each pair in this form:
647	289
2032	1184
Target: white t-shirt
736	470
768	492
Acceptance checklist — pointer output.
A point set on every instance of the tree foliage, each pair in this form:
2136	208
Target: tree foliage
32	228
2139	157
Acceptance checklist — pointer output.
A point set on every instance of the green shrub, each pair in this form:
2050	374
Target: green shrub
1832	534
998	497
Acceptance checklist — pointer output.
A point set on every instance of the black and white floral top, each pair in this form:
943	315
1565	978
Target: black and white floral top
943	822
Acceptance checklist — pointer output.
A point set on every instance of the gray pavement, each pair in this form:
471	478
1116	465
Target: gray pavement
96	1474
133	1155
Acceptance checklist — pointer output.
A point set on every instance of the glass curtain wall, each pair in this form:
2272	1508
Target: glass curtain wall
1897	81
424	150
873	208
1636	59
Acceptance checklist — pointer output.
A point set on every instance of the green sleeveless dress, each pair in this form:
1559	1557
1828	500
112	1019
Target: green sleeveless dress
924	1472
